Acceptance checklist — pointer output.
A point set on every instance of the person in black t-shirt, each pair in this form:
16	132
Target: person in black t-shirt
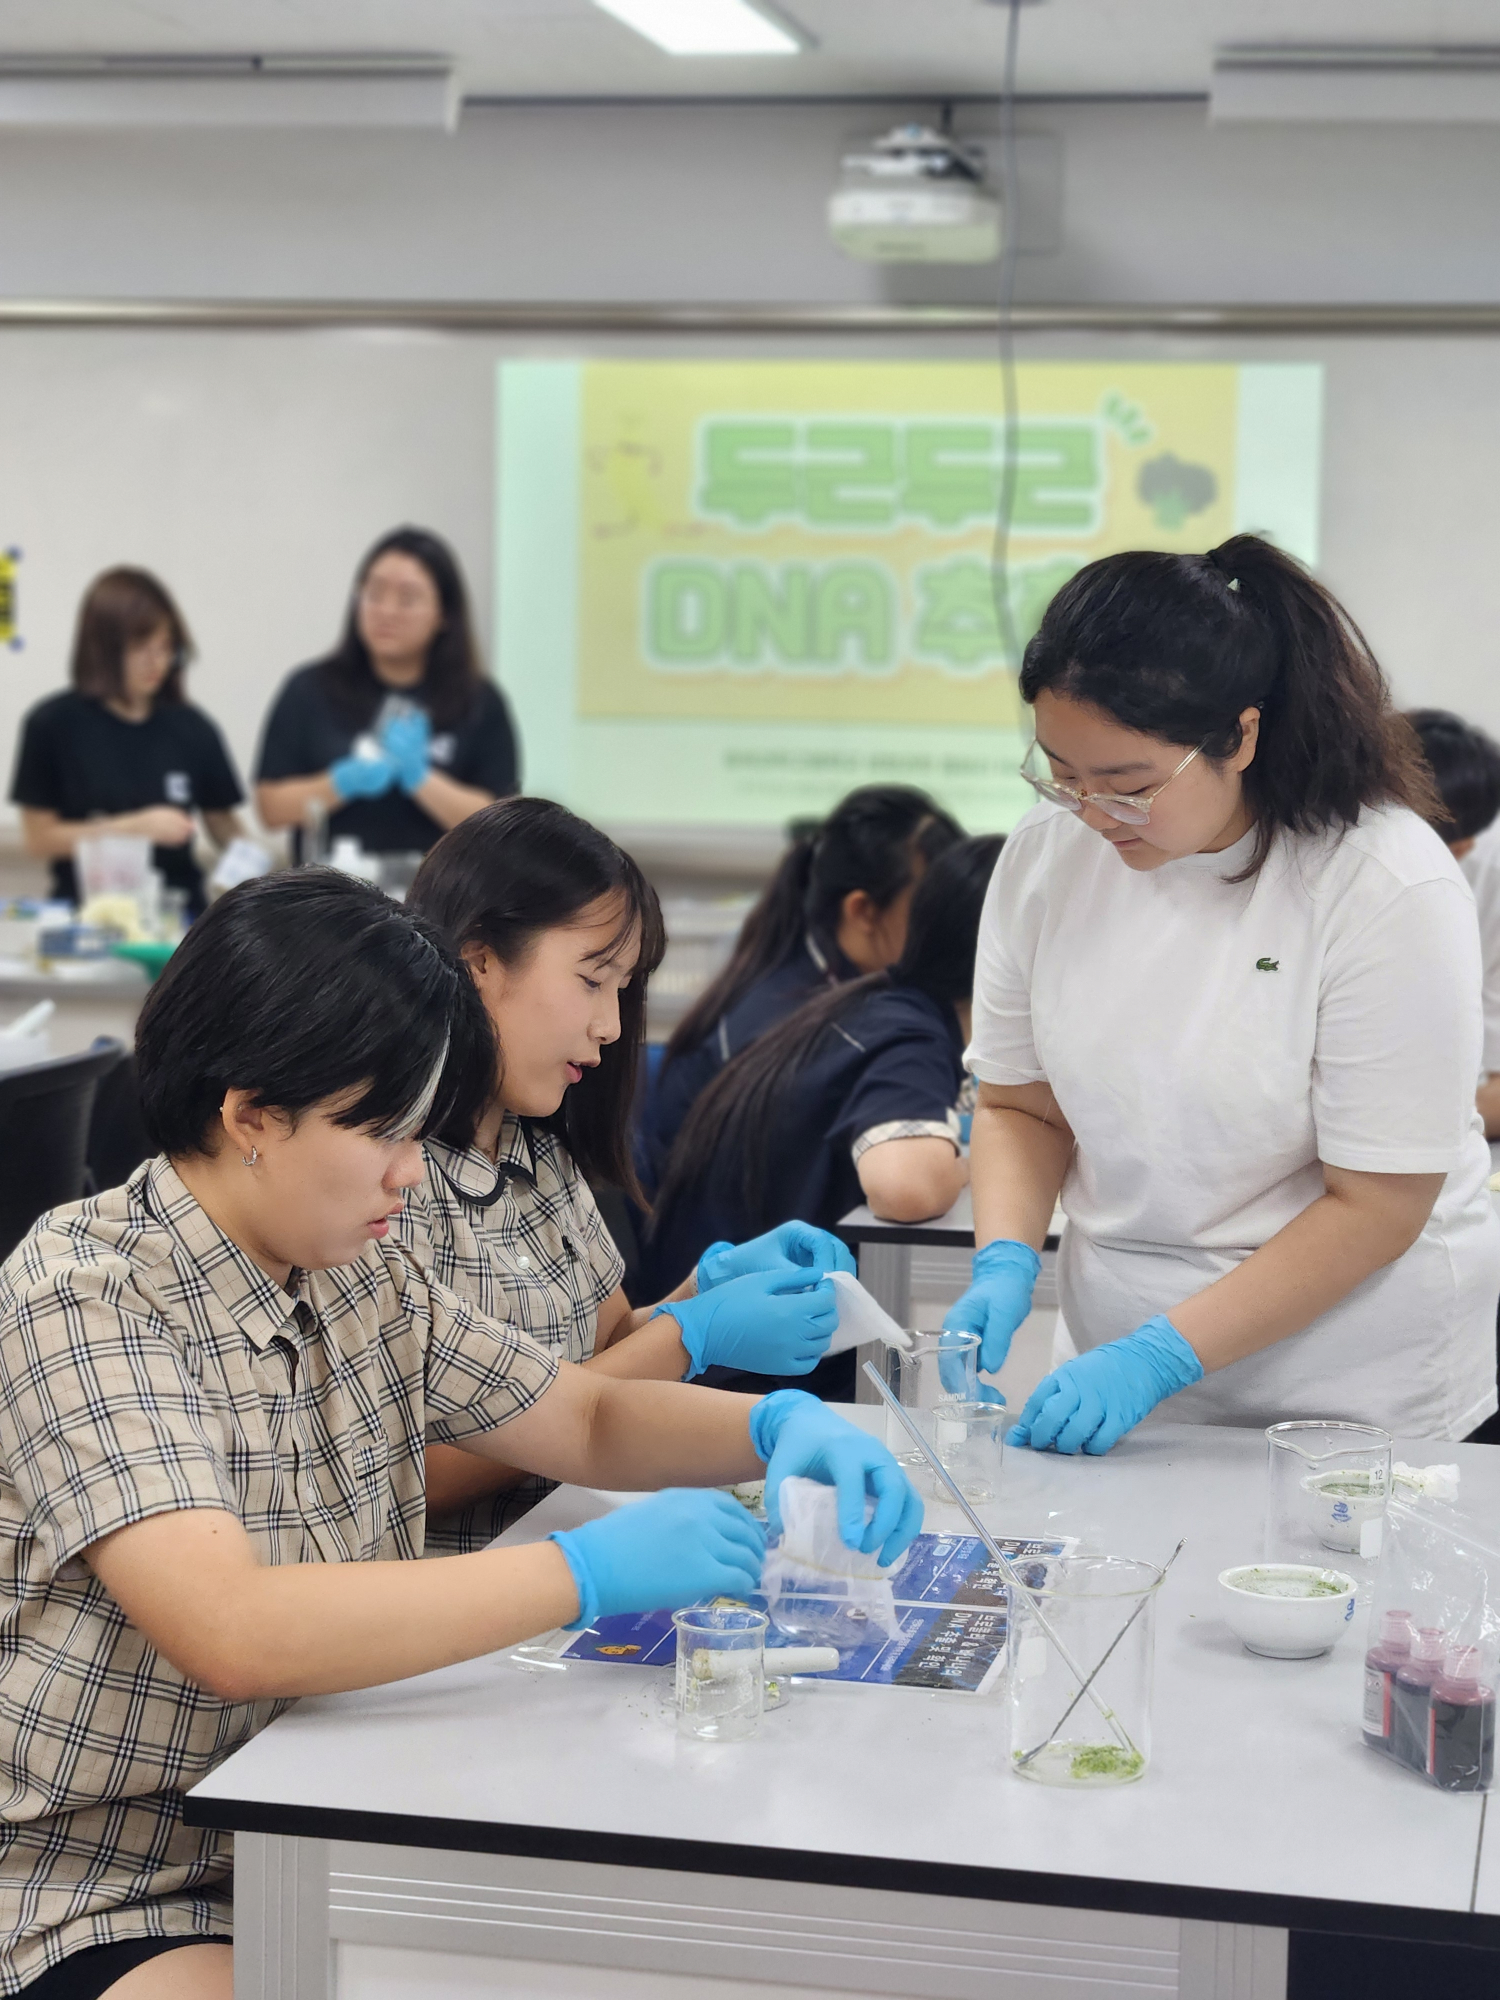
398	734
123	751
851	1098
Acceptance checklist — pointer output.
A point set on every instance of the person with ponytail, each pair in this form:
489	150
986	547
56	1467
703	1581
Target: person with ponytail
560	932
1227	1005
849	1099
835	909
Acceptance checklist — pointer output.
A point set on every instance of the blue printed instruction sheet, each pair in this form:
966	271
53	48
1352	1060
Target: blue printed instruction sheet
950	1604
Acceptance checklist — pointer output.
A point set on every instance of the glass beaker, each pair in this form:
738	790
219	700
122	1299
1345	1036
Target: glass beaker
1327	1489
1081	1651
935	1371
970	1441
720	1671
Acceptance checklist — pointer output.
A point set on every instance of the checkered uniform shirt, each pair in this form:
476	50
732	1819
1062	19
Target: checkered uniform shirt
147	1365
521	1237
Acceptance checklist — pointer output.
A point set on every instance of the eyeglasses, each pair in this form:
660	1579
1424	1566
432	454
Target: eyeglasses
1128	811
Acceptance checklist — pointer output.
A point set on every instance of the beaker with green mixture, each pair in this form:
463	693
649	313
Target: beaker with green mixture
1081	1650
1326	1489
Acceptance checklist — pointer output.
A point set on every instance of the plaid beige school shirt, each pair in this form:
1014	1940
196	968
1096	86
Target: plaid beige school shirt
521	1237
147	1365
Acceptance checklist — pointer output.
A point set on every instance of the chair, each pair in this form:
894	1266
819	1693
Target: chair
44	1126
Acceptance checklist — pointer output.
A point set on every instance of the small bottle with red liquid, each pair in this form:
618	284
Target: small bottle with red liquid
1461	1725
1383	1662
1411	1692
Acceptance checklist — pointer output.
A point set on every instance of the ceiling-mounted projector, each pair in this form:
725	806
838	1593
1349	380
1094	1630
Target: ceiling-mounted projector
916	197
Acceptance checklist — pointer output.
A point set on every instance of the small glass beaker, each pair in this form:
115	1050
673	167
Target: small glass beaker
1327	1489
1081	1651
936	1370
720	1671
970	1441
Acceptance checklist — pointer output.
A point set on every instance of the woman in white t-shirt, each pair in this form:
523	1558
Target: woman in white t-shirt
1227	1005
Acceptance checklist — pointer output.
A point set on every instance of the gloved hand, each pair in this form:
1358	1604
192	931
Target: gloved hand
362	777
771	1322
659	1554
998	1298
797	1435
1090	1402
797	1243
407	741
954	1370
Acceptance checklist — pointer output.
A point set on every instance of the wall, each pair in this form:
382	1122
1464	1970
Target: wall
251	469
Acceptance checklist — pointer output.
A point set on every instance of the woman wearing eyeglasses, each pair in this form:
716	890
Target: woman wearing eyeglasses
1227	1005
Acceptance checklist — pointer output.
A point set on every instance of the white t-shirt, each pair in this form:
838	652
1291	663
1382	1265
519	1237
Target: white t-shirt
1210	1043
1481	866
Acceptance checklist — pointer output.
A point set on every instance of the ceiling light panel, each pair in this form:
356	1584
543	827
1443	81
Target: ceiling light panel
707	27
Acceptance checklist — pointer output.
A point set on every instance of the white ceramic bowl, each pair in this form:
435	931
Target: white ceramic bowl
1288	1611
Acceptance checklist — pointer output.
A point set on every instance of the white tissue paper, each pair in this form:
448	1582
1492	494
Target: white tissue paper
1432	1482
816	1589
861	1320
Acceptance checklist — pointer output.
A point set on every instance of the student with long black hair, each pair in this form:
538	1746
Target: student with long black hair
849	1099
561	932
1228	1004
215	1387
835	909
398	733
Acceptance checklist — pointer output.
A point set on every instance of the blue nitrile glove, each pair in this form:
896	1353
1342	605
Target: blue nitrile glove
814	1250
998	1298
362	777
953	1370
676	1548
798	1436
1091	1401
407	741
771	1322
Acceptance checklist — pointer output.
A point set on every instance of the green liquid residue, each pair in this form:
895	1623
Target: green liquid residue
1105	1760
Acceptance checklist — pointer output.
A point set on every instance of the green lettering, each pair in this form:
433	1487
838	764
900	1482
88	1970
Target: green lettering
853	615
748	471
686	612
770	612
1057	476
950	477
858	489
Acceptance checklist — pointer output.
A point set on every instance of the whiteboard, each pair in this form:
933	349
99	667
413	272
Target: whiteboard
250	469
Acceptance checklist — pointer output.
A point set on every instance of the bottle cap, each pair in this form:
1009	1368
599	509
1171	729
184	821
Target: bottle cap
1430	1644
1395	1628
1462	1664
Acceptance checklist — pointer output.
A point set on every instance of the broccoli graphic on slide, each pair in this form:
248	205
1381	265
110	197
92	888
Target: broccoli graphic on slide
1173	489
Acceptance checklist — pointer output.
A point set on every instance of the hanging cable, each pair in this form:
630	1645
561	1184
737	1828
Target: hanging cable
1005	616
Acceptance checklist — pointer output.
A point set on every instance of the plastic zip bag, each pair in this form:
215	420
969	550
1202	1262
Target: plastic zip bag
1433	1653
817	1590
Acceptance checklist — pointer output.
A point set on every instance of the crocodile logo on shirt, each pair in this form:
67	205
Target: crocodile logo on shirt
1268	965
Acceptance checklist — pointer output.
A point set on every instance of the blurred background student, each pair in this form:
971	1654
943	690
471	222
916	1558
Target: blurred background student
835	909
123	750
398	734
1466	764
850	1098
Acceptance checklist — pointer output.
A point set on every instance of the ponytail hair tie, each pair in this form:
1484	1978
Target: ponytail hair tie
1233	583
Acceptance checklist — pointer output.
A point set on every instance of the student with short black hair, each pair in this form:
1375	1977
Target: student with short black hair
1466	769
123	750
216	1384
836	909
398	733
849	1099
1227	1005
561	932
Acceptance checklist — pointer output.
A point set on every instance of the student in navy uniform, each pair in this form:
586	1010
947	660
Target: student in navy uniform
836	908
849	1099
123	751
398	734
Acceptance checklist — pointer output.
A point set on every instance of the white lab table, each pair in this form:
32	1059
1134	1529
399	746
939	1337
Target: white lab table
871	1840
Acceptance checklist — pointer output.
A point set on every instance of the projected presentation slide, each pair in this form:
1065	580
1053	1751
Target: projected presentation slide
728	591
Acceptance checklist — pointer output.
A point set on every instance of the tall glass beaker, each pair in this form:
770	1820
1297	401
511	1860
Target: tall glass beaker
937	1370
1081	1653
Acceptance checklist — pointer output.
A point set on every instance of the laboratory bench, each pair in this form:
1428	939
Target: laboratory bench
93	997
867	1840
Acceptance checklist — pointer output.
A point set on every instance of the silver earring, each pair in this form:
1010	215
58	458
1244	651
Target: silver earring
254	1156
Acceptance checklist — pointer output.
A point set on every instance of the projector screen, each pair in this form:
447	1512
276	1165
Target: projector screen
729	591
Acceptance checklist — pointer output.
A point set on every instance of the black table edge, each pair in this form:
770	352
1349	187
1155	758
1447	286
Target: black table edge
859	1234
849	1871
